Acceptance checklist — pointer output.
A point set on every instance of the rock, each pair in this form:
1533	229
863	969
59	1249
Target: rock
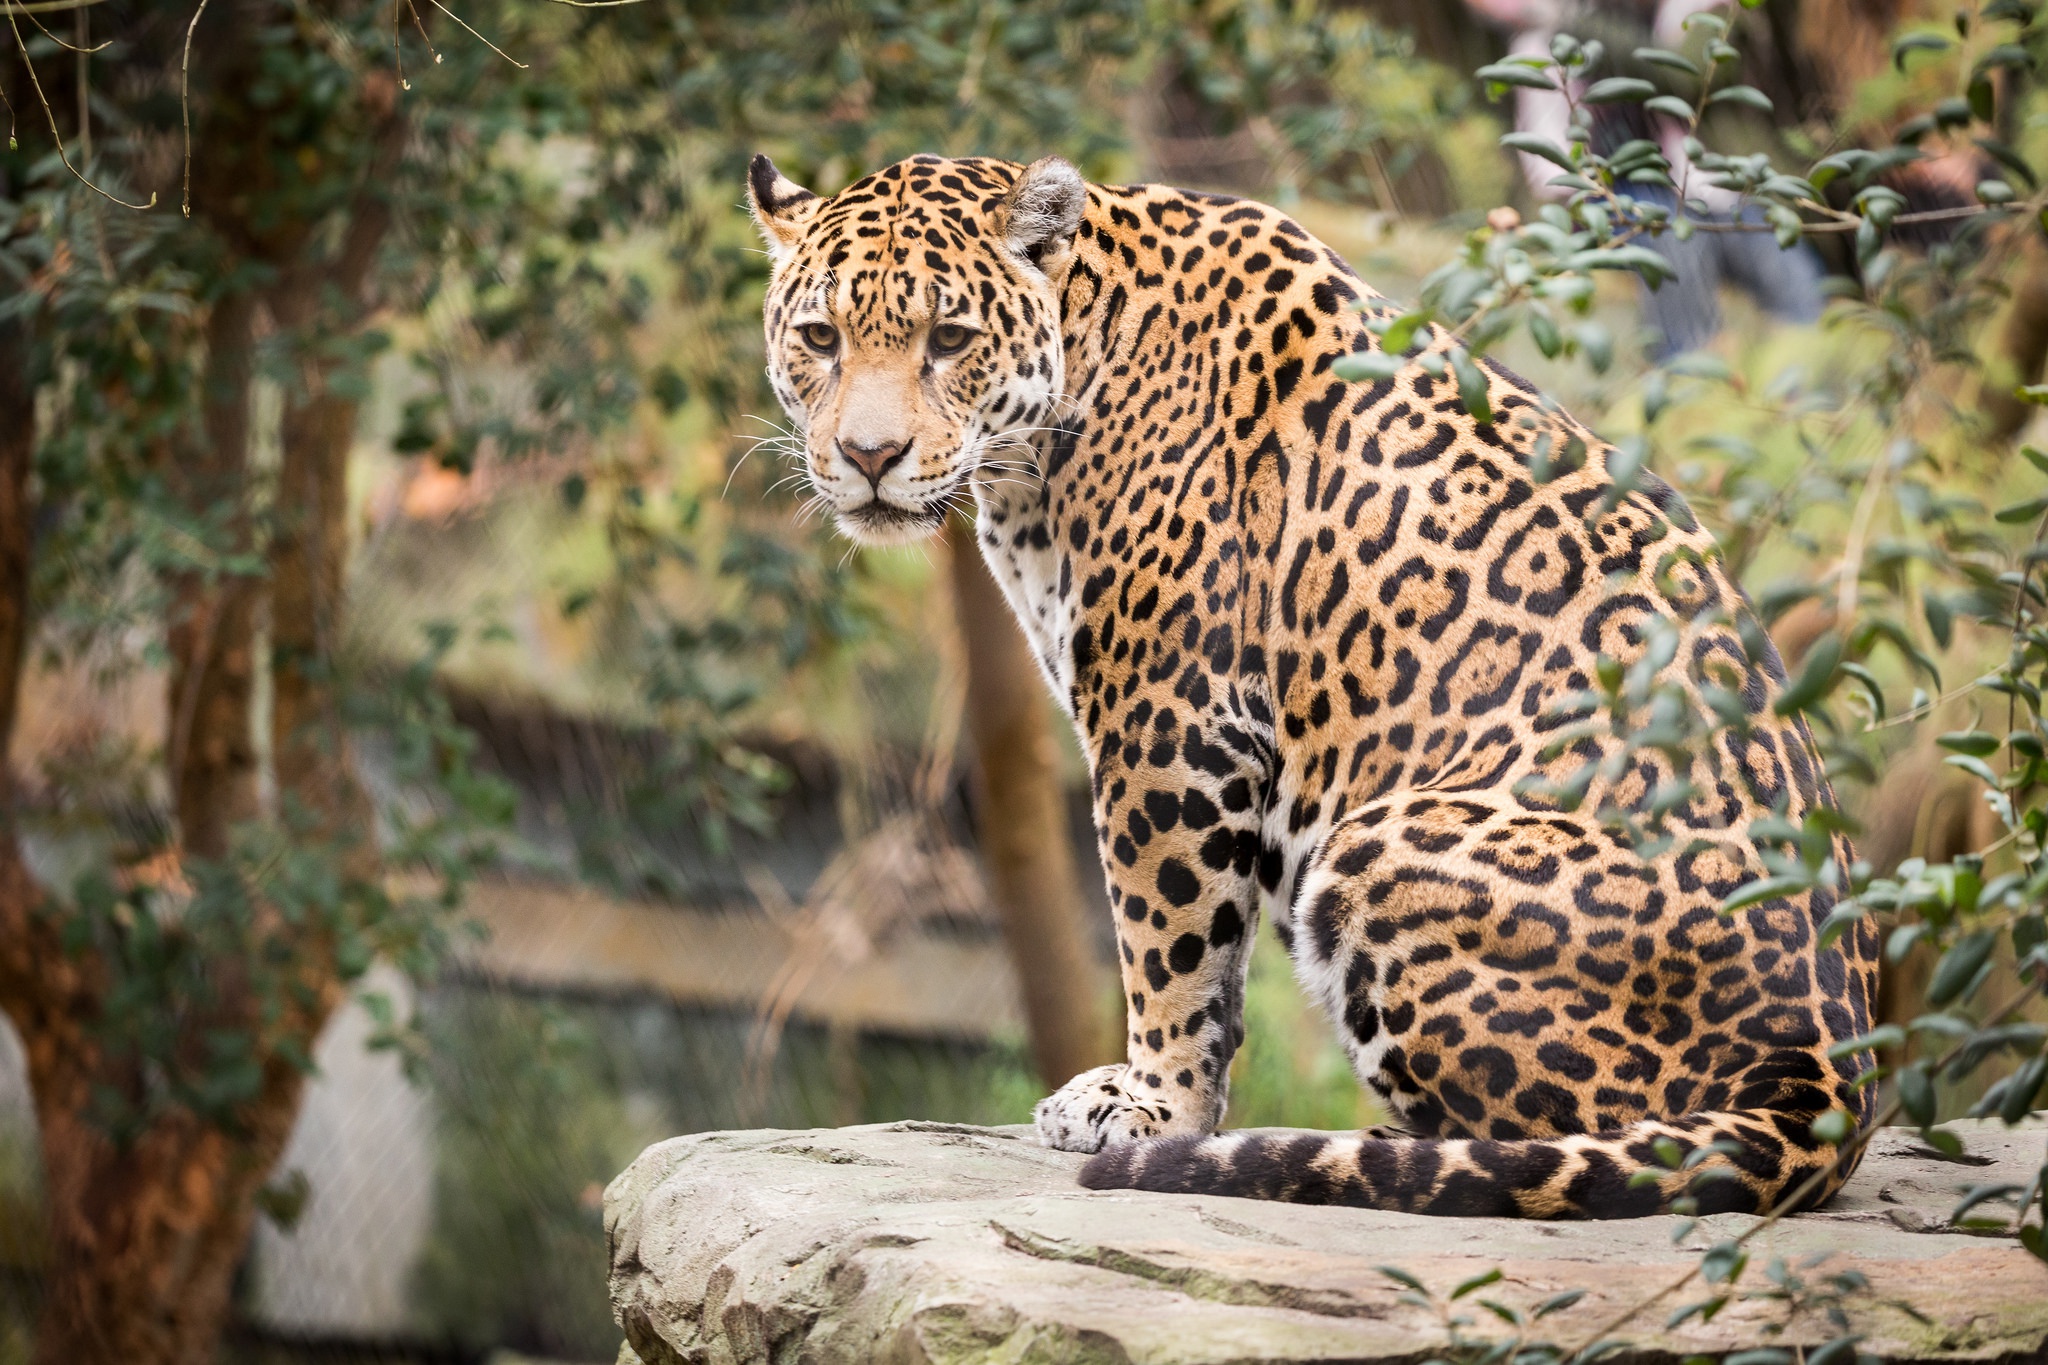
928	1242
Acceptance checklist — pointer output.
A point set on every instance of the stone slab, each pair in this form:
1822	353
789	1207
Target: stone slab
921	1242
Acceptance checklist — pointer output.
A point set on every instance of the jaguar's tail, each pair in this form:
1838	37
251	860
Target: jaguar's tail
1755	1158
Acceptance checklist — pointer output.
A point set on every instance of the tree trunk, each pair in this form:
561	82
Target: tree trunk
309	552
211	749
1023	828
2022	348
147	1228
143	1238
145	1235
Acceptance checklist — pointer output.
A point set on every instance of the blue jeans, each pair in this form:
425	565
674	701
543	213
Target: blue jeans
1685	311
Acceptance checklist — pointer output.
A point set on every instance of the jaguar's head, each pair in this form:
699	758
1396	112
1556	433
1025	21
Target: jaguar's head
913	327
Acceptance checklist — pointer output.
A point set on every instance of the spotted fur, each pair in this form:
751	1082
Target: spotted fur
1313	635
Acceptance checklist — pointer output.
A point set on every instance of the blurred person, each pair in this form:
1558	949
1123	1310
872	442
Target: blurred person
1684	312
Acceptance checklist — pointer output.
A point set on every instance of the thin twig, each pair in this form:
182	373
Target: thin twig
84	84
46	6
36	82
398	47
11	121
421	25
478	36
68	47
185	102
1851	223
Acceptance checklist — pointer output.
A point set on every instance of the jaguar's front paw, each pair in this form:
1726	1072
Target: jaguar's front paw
1103	1107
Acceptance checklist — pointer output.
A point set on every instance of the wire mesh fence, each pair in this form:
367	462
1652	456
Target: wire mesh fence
443	1201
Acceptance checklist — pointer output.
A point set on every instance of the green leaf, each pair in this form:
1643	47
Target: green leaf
1664	56
1645	262
1401	333
1763	889
1983	103
2021	1087
1368	366
1940	620
1978	1194
1747	95
1944	1142
1834	1127
2005	156
1918	42
1704	1310
1619	89
1883	1036
1838	923
1959	965
1557	1303
1670	105
1994	192
1539	146
1723	1263
1508	73
1816	676
1402	1277
1840	1351
669	389
1598	344
1975	767
1976	742
1479	1281
1472	389
1916	1094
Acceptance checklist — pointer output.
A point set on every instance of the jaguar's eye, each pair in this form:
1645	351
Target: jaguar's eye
821	336
949	337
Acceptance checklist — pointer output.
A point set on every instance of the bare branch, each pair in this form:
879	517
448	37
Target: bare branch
37	83
30	11
185	104
421	25
44	6
478	36
1850	223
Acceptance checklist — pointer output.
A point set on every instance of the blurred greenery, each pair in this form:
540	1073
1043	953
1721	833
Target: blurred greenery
554	493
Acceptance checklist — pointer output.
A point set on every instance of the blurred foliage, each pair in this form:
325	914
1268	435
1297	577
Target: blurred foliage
1861	494
573	291
1289	1073
540	216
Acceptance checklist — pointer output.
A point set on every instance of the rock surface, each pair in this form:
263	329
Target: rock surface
922	1242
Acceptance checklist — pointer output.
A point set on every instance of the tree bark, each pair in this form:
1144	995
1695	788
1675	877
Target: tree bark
2022	347
309	543
1022	820
143	1237
211	750
146	1230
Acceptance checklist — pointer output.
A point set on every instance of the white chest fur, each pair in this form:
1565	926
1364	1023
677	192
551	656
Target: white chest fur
1022	553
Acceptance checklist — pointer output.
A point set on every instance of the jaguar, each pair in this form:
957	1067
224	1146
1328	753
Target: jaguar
1327	644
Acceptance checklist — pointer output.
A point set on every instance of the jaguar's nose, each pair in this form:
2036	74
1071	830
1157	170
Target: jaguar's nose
874	461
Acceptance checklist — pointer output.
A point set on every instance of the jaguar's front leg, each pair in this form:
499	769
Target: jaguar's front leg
1176	818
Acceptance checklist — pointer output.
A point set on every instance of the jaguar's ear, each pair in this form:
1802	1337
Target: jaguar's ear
1043	211
780	206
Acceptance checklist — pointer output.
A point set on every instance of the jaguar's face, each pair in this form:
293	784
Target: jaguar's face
913	328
